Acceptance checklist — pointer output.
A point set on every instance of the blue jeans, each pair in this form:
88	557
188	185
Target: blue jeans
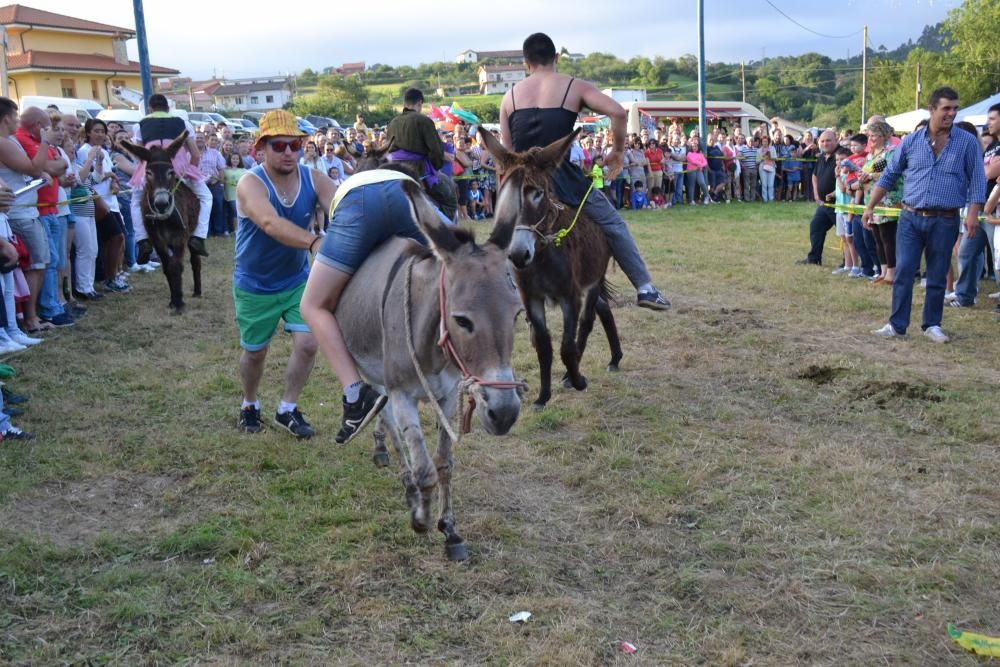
678	197
695	179
48	299
623	248
125	204
970	263
864	243
217	222
766	185
619	191
914	235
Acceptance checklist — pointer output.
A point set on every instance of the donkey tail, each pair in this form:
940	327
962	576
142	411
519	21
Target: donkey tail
609	292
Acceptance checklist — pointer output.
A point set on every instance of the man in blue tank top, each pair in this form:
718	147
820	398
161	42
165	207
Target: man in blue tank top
531	114
275	203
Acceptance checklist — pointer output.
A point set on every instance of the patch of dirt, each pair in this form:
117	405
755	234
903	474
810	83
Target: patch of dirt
734	319
821	374
882	393
74	513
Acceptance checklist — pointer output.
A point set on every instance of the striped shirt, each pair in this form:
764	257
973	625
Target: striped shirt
951	180
749	155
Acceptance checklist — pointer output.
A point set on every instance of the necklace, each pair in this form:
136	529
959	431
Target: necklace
282	195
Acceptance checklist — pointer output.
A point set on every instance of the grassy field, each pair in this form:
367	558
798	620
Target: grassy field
763	484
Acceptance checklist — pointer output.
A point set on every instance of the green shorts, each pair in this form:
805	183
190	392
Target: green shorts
257	315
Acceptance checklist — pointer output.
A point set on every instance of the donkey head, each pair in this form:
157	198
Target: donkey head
526	210
161	181
374	158
481	305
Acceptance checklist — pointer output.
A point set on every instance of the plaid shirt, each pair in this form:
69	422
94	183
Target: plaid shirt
952	180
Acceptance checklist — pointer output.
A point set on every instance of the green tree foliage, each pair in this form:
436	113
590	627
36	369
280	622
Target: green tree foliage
972	37
308	77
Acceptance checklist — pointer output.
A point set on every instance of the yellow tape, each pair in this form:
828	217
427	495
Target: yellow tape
75	200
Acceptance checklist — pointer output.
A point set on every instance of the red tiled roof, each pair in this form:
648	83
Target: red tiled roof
75	62
19	14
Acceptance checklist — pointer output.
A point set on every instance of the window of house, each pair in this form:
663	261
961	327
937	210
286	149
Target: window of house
269	99
118	83
68	87
95	92
254	99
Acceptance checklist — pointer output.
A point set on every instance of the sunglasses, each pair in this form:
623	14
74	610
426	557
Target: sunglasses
281	146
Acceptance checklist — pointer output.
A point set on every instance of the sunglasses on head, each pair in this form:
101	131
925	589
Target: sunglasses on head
280	146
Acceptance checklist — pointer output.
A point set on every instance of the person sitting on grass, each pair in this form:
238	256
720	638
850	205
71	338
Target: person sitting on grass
657	200
639	199
476	201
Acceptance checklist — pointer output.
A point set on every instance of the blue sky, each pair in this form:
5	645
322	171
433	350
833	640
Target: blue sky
247	37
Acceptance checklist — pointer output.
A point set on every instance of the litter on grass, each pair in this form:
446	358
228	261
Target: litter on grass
629	648
520	617
978	644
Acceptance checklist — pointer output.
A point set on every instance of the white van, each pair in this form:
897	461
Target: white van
83	109
128	118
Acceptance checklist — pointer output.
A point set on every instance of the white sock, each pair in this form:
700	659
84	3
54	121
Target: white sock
645	288
352	392
284	407
247	404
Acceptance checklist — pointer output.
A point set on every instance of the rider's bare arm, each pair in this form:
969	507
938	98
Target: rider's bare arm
597	101
251	197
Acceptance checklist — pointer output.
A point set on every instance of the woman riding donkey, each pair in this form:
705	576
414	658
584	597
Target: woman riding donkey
543	108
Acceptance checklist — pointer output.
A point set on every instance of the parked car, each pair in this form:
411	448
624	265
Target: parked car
236	126
199	118
82	109
253	116
249	127
324	123
306	126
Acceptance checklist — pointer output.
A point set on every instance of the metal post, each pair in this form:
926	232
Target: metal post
743	80
864	77
701	72
916	103
145	73
4	84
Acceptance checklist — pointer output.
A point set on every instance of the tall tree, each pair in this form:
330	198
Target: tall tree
972	31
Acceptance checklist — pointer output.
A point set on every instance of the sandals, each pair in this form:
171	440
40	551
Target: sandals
42	326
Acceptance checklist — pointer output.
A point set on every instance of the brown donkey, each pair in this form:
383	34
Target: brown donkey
568	270
170	214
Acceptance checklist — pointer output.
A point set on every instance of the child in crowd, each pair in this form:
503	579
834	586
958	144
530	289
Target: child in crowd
334	174
597	172
792	170
476	201
657	200
234	172
639	199
844	226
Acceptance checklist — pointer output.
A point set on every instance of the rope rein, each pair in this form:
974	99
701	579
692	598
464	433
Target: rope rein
556	239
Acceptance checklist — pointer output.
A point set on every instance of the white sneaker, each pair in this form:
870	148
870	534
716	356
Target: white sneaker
841	270
9	347
936	335
135	268
950	296
153	263
995	295
147	268
21	338
923	283
887	332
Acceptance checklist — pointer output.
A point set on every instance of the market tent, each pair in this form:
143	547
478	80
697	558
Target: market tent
976	113
907	122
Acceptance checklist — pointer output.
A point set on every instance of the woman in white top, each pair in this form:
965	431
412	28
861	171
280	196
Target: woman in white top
311	157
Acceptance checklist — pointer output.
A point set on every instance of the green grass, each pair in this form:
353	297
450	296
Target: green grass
763	482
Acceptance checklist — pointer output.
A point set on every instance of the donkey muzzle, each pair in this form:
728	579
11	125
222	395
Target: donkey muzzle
498	409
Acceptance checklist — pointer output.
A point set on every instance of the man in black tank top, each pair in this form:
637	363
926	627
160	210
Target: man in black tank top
525	122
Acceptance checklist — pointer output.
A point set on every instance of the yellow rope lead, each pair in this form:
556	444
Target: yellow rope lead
563	233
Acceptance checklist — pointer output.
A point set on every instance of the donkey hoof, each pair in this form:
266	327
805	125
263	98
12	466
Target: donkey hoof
539	404
418	524
581	385
456	552
196	295
381	459
567	382
177	310
613	368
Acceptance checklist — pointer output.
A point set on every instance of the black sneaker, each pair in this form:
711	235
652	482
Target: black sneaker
250	420
14	433
295	423
197	246
10	398
807	261
59	320
653	300
358	414
12	412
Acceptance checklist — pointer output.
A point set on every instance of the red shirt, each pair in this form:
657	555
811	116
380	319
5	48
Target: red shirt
49	194
655	157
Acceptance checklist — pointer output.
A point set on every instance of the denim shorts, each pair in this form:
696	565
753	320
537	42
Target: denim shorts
366	217
35	235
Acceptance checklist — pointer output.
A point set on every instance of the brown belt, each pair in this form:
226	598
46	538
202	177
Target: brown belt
932	212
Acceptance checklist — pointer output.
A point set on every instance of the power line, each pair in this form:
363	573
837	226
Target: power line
775	7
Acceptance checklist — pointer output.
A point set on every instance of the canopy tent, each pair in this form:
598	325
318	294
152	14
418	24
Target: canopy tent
907	122
976	113
739	113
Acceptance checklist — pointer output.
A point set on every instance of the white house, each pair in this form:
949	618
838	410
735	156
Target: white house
470	56
499	78
252	95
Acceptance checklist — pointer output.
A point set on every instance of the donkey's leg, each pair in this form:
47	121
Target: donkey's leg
407	417
454	545
171	271
380	455
196	273
587	318
542	343
611	330
567	351
386	421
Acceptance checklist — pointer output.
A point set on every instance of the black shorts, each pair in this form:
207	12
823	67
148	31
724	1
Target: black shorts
110	226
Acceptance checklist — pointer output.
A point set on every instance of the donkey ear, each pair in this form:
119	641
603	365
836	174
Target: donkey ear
503	157
140	152
176	144
552	155
442	239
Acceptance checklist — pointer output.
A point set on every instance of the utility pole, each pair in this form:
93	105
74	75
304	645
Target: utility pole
190	98
701	71
743	81
145	73
916	103
864	76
